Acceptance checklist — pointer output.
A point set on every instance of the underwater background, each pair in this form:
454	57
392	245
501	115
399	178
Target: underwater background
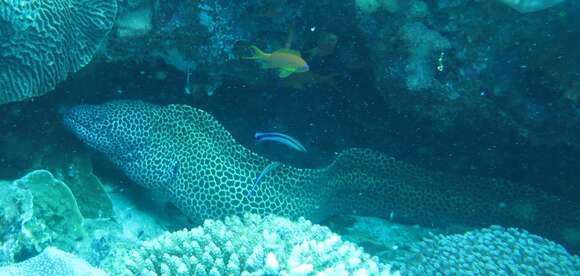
468	113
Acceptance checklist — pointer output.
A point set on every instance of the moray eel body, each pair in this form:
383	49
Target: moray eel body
185	152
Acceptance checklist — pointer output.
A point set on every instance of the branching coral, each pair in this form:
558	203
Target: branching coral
490	251
251	245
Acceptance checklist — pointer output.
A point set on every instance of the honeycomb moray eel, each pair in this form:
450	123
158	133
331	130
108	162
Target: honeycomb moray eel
188	154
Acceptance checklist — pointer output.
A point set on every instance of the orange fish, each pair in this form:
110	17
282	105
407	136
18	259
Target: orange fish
287	61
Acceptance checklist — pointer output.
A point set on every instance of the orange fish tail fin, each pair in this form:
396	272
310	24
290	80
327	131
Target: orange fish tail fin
257	53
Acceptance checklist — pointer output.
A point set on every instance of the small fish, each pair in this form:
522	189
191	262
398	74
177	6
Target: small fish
287	61
265	171
280	138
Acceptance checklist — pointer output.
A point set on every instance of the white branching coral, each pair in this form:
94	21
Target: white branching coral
251	245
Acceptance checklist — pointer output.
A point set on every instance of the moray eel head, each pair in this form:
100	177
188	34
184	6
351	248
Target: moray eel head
116	128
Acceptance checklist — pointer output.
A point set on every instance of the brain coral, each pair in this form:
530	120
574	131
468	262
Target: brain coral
491	251
41	42
251	245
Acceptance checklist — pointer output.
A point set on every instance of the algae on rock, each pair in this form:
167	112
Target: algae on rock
55	210
16	209
76	171
37	211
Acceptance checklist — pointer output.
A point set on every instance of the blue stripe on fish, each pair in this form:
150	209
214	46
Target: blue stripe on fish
280	138
266	170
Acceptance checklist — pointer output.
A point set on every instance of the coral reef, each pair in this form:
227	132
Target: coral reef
491	251
381	237
479	78
39	211
423	44
268	245
52	261
251	245
134	23
370	6
433	83
42	42
198	38
16	209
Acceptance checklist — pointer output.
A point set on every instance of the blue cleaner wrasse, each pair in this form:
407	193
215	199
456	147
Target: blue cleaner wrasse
264	171
286	61
280	138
